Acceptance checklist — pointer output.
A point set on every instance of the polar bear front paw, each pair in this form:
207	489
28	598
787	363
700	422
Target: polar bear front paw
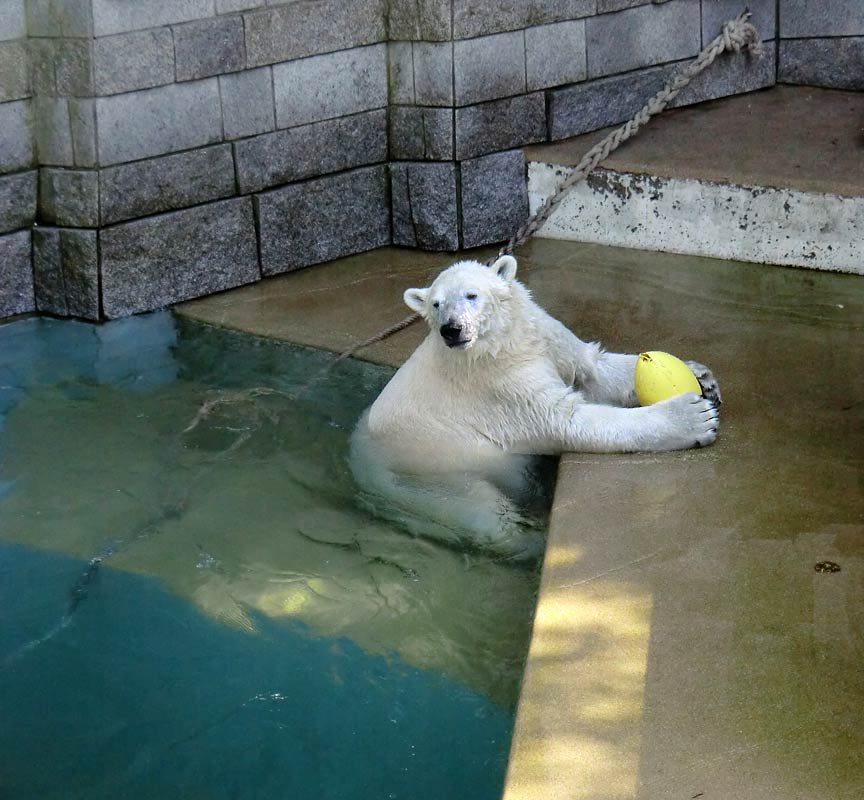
693	421
710	387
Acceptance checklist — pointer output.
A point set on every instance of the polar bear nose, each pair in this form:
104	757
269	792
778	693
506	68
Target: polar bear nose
451	332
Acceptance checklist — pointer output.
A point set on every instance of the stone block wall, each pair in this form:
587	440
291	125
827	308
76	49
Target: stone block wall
473	81
178	140
18	175
181	147
822	43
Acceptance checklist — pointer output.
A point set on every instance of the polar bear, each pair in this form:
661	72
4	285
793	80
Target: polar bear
449	440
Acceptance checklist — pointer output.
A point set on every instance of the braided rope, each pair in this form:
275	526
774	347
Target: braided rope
737	34
378	337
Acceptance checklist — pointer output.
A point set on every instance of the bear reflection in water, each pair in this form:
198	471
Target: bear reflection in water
449	447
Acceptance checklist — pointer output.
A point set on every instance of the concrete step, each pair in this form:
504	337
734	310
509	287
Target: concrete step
774	177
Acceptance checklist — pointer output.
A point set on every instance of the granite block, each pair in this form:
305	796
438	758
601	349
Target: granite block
53	131
481	17
494	198
642	36
608	6
82	121
76	17
48	287
418	133
79	252
835	63
230	6
424	205
153	262
743	72
332	85
41	59
16	277
209	47
16	136
500	125
121	16
247	103
73	67
311	150
420	20
433	73
14	71
66	272
607	101
400	72
158	121
17	200
323	219
169	182
131	61
555	54
42	18
821	18
310	27
69	197
12	20
489	67
717	12
56	18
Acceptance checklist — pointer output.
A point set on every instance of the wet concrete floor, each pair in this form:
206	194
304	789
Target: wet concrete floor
685	644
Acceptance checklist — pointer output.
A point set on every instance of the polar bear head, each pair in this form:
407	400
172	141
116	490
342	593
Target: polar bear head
467	304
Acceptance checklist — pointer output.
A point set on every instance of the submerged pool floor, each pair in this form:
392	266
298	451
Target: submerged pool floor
685	643
204	610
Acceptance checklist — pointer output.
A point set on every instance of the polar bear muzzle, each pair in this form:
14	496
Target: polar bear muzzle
451	333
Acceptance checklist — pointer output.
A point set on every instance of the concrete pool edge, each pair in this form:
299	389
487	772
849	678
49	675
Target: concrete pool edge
657	579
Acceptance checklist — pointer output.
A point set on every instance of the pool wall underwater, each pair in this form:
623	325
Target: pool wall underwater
207	612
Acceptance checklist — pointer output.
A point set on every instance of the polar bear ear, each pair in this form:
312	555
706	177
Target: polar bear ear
505	267
415	299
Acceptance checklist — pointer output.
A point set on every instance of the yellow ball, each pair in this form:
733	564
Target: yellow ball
660	376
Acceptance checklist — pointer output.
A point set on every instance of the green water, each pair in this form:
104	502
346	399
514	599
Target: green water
195	604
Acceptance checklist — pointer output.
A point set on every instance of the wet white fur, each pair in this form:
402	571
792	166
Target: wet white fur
521	384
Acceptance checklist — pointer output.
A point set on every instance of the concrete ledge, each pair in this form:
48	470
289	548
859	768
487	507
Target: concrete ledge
771	177
744	223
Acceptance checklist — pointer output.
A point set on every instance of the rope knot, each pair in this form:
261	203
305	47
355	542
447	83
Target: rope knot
740	33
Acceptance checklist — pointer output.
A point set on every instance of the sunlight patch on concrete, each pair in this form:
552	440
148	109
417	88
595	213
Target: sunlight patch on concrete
578	730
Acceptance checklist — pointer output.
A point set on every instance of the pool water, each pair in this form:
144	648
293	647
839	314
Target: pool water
193	603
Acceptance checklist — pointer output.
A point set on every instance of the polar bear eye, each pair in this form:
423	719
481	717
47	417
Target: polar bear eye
471	296
436	304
